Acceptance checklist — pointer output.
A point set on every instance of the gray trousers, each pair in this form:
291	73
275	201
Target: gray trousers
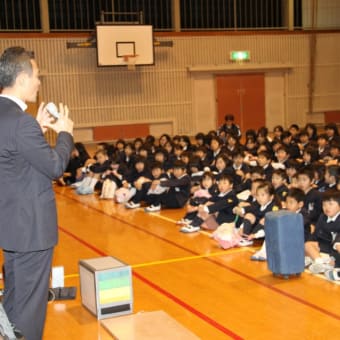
26	290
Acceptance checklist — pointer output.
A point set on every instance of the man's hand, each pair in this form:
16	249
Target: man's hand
63	124
43	117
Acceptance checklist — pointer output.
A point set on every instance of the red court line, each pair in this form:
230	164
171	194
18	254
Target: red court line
162	291
235	271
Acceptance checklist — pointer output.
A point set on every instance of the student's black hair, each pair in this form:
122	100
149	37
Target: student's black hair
104	145
313	128
130	145
294	126
83	154
202	148
320	169
307	171
178	147
322	136
265	154
225	159
332	126
217	139
250	133
186	139
331	195
178	164
284	148
229	116
334	171
257	170
262	131
334	145
303	133
176	137
200	136
313	152
280	172
285	134
150	139
168	138
140	159
208	174
103	152
268	187
293	163
226	177
258	180
139	140
279	128
297	194
237	152
156	165
120	141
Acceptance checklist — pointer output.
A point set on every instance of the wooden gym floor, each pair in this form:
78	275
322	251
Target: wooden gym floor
216	294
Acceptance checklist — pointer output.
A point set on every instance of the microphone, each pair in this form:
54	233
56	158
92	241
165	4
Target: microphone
52	110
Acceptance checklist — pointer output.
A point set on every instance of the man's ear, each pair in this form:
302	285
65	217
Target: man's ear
300	204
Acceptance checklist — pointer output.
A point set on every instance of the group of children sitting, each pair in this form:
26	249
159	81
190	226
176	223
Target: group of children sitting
223	181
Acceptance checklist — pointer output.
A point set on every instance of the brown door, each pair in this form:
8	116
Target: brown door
242	95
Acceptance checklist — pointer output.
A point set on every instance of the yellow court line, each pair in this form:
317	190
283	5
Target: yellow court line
181	259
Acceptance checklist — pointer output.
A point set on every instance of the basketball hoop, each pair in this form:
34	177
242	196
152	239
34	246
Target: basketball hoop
130	60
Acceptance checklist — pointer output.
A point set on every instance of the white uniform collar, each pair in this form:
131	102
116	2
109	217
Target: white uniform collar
333	219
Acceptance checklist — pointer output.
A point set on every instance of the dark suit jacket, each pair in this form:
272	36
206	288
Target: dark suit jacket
28	218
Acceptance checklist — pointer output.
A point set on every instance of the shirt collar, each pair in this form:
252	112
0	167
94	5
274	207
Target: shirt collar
16	100
263	207
333	219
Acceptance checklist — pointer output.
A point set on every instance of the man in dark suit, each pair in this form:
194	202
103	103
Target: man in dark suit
28	218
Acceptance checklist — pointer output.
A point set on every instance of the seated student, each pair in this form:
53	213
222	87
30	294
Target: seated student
332	133
334	154
323	147
279	181
264	161
277	132
128	156
203	153
319	169
186	144
303	141
252	226
312	132
255	172
199	140
161	156
238	170
143	191
309	156
120	145
325	238
87	185
331	177
219	208
137	144
178	191
186	158
294	203
229	127
233	143
78	160
313	196
282	157
292	169
216	148
289	142
163	139
222	163
250	149
178	150
294	129
201	195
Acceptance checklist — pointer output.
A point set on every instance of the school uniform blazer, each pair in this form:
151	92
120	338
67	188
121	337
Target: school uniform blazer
223	205
28	218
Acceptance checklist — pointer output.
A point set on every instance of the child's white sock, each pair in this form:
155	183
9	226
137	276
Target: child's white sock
93	183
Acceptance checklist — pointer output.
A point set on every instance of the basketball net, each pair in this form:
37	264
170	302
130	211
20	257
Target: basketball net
131	60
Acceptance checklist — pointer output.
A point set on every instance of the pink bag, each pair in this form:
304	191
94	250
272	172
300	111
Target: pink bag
226	235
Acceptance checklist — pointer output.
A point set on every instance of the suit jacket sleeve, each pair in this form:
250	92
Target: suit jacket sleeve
32	145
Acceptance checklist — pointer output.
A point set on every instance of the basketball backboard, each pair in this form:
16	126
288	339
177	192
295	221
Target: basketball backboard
115	43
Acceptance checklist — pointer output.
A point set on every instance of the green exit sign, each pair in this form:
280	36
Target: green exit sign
239	55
